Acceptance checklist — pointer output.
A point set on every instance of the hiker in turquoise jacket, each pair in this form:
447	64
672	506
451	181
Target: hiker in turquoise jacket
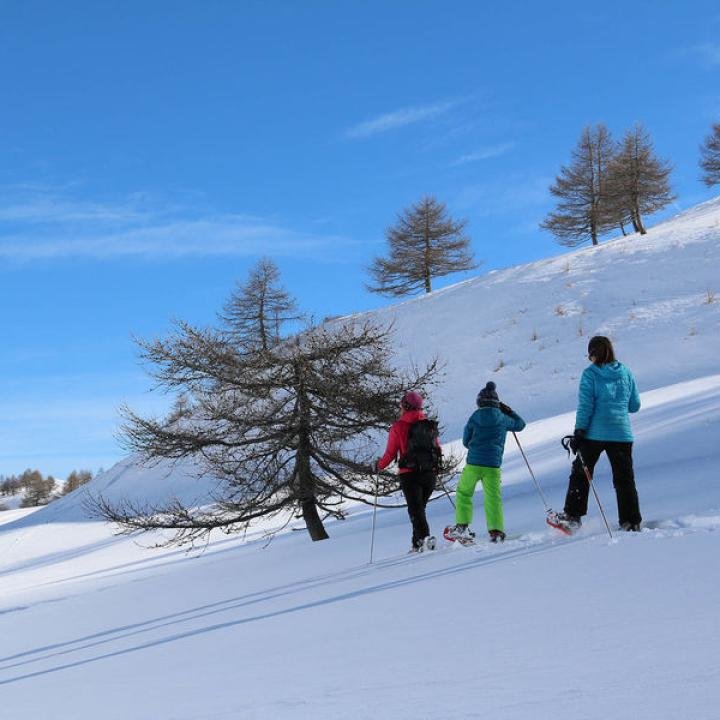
484	437
606	396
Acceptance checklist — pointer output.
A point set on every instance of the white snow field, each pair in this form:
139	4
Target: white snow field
95	626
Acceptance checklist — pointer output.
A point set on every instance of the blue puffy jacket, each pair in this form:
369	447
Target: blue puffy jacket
484	435
607	394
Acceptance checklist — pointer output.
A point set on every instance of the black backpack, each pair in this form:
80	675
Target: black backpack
423	453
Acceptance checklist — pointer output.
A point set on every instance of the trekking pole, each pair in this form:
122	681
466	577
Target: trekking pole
372	533
588	475
532	475
565	442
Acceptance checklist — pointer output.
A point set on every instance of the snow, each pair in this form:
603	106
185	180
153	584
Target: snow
10	502
95	625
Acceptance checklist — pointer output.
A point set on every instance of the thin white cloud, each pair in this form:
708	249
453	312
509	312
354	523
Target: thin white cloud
508	195
710	53
707	53
42	211
485	153
50	228
398	119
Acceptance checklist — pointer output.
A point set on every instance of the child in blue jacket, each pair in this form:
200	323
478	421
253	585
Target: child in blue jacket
484	437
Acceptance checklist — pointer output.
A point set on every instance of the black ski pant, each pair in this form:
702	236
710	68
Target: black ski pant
417	488
620	456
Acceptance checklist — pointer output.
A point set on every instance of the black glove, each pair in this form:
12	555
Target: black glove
576	441
506	409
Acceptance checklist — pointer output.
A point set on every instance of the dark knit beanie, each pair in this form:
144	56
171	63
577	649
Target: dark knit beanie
488	394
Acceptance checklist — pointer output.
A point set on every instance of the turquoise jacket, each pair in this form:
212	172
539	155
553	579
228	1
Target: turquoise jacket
484	435
607	394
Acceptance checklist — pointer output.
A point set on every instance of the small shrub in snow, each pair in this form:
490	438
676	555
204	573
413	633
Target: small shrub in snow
560	310
710	297
534	336
500	365
693	330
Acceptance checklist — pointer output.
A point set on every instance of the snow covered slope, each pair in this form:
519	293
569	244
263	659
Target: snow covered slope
543	626
527	327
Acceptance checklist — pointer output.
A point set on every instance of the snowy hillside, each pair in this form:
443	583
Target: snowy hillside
97	626
527	327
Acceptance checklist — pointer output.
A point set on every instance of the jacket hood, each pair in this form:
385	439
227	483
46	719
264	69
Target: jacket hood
610	371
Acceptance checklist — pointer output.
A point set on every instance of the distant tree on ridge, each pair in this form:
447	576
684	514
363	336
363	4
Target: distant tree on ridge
38	489
584	211
638	181
76	479
423	244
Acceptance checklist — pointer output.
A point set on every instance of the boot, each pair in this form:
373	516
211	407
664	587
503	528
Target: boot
496	536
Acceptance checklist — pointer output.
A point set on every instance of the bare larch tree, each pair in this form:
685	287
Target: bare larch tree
258	309
710	157
424	243
584	211
638	181
287	429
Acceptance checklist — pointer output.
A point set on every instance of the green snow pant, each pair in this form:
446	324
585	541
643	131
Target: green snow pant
490	478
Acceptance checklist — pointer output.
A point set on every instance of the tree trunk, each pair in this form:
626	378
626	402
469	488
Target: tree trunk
622	227
306	494
633	217
638	221
426	269
428	287
313	523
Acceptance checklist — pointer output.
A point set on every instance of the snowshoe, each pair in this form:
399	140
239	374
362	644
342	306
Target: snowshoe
566	524
459	533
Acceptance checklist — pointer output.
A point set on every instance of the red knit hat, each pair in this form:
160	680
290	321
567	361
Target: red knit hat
412	401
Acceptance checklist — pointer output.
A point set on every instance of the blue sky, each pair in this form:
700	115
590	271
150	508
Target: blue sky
151	152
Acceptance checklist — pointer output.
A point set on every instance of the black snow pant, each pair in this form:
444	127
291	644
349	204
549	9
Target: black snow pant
620	457
417	488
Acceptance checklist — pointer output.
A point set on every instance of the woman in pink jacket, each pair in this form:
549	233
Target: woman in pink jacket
417	478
